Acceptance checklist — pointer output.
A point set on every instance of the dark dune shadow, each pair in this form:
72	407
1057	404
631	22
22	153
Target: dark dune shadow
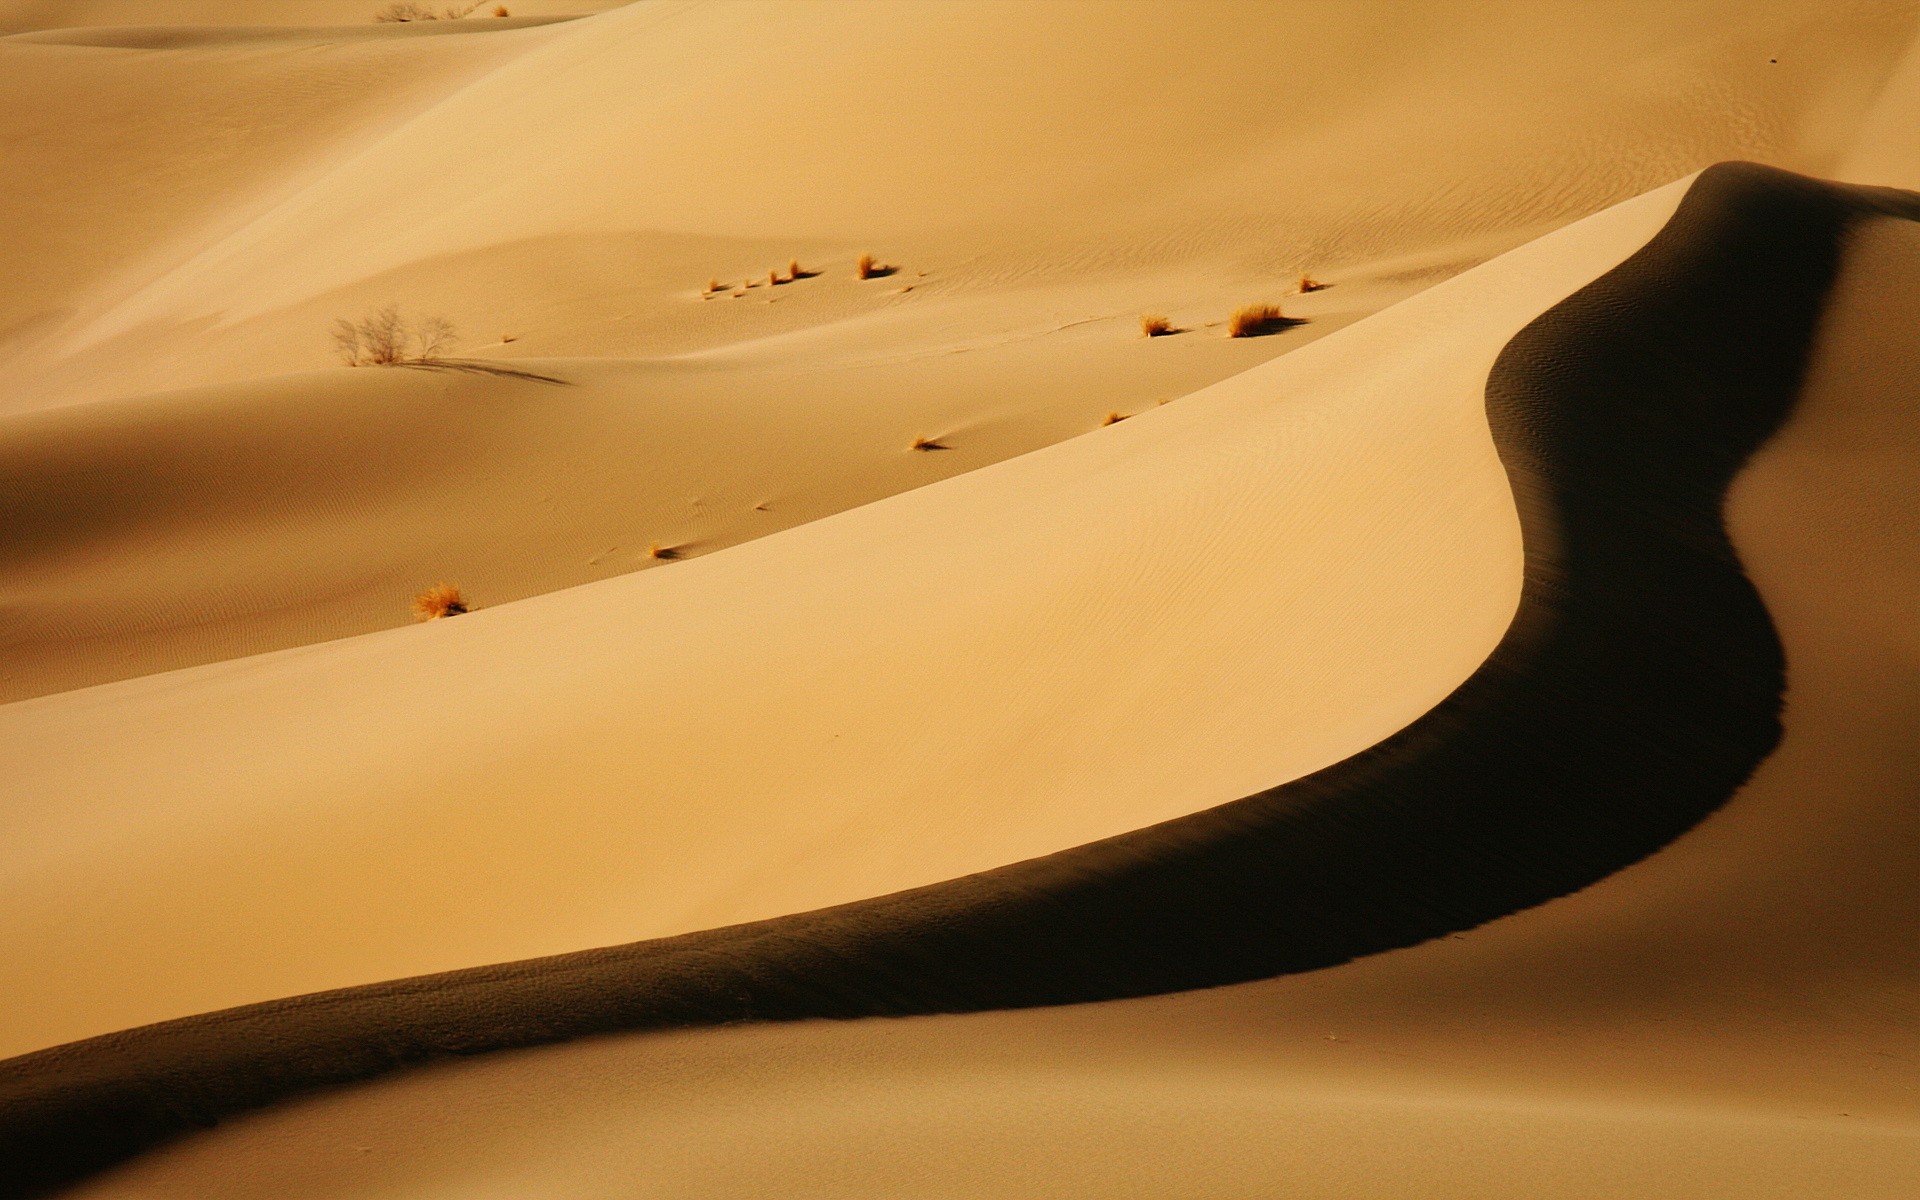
476	367
1639	686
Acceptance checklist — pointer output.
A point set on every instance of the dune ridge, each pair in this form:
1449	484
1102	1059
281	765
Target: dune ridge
1637	688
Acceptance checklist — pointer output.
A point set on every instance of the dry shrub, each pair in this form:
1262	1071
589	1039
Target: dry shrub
1256	319
713	285
773	278
500	10
1155	326
663	553
869	267
433	337
408	10
384	338
1309	284
440	600
1113	418
927	443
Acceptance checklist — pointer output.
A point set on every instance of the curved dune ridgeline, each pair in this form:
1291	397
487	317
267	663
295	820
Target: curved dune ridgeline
1637	688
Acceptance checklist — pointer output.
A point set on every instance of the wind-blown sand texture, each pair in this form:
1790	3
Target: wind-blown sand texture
1489	598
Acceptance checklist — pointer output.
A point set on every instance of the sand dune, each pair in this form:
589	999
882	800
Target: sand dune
396	171
1345	494
1162	909
1417	672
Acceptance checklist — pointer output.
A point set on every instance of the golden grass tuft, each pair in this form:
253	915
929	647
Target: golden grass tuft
927	443
868	267
713	285
440	600
1113	418
663	553
1256	319
1152	326
793	269
1309	284
500	10
773	279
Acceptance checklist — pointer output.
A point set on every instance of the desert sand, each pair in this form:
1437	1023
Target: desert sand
1417	634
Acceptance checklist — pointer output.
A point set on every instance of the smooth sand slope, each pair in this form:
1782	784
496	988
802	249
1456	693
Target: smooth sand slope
1040	174
1612	525
1721	1018
1212	598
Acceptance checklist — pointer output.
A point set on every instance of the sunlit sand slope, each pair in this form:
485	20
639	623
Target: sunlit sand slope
1040	175
1633	694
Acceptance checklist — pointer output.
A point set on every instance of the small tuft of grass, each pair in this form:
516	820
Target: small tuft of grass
1257	319
440	600
1152	326
500	10
1113	418
713	285
927	443
870	267
796	271
773	279
1309	284
663	553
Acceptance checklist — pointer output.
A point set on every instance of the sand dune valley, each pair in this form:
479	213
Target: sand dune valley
864	599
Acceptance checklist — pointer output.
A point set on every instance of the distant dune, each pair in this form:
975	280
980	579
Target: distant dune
1457	743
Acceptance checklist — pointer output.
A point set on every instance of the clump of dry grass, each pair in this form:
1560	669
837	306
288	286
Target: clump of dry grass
663	553
870	267
773	279
1113	418
500	10
713	285
384	338
1256	319
927	443
1152	326
1309	284
440	600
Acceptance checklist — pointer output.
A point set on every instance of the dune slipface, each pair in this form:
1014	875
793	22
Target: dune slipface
1637	688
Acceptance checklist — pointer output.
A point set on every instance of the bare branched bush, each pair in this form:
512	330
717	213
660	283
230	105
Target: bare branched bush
408	10
384	338
433	337
346	341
